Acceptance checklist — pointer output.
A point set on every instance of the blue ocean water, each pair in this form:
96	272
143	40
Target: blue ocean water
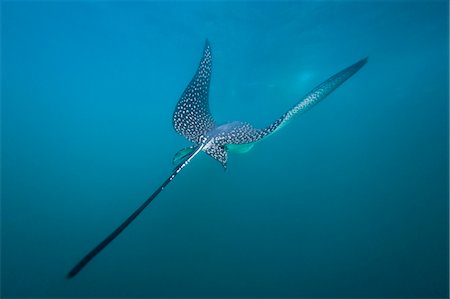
349	200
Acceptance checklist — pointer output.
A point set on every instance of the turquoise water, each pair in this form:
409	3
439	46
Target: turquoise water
348	200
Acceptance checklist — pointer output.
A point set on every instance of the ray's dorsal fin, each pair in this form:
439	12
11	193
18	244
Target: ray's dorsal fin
192	118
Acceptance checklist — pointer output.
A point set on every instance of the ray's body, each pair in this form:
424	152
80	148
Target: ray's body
192	119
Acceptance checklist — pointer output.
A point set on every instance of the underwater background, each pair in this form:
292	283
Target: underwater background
348	200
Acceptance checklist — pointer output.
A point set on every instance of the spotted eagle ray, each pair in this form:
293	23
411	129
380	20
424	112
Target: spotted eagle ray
193	120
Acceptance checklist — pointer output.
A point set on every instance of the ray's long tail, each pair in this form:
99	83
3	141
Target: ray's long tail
88	257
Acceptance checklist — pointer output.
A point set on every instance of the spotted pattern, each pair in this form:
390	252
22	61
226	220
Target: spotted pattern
219	153
244	133
313	97
231	133
192	118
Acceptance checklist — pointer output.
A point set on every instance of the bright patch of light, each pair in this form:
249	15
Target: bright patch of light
305	77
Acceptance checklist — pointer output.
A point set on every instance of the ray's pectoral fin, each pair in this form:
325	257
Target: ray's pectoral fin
239	148
183	154
315	96
191	117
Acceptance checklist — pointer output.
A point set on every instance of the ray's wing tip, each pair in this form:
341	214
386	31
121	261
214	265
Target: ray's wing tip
356	66
361	62
207	47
